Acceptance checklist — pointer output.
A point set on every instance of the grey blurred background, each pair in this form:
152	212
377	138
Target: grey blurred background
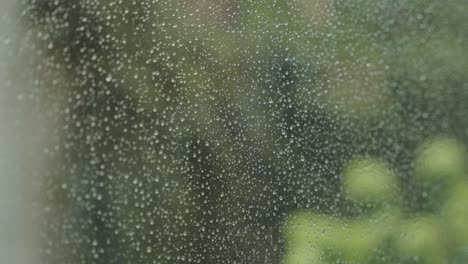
19	148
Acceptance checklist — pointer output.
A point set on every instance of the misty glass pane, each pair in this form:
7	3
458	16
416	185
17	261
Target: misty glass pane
233	131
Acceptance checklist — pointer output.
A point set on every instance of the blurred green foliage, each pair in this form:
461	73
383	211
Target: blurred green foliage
187	131
391	234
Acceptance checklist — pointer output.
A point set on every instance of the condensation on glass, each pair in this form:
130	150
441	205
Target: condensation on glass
228	131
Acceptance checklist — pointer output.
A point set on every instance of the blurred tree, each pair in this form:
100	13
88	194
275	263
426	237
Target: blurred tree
190	130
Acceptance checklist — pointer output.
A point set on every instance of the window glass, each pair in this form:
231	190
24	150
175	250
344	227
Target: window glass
228	131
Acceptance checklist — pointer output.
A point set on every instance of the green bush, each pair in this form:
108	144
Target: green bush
390	234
